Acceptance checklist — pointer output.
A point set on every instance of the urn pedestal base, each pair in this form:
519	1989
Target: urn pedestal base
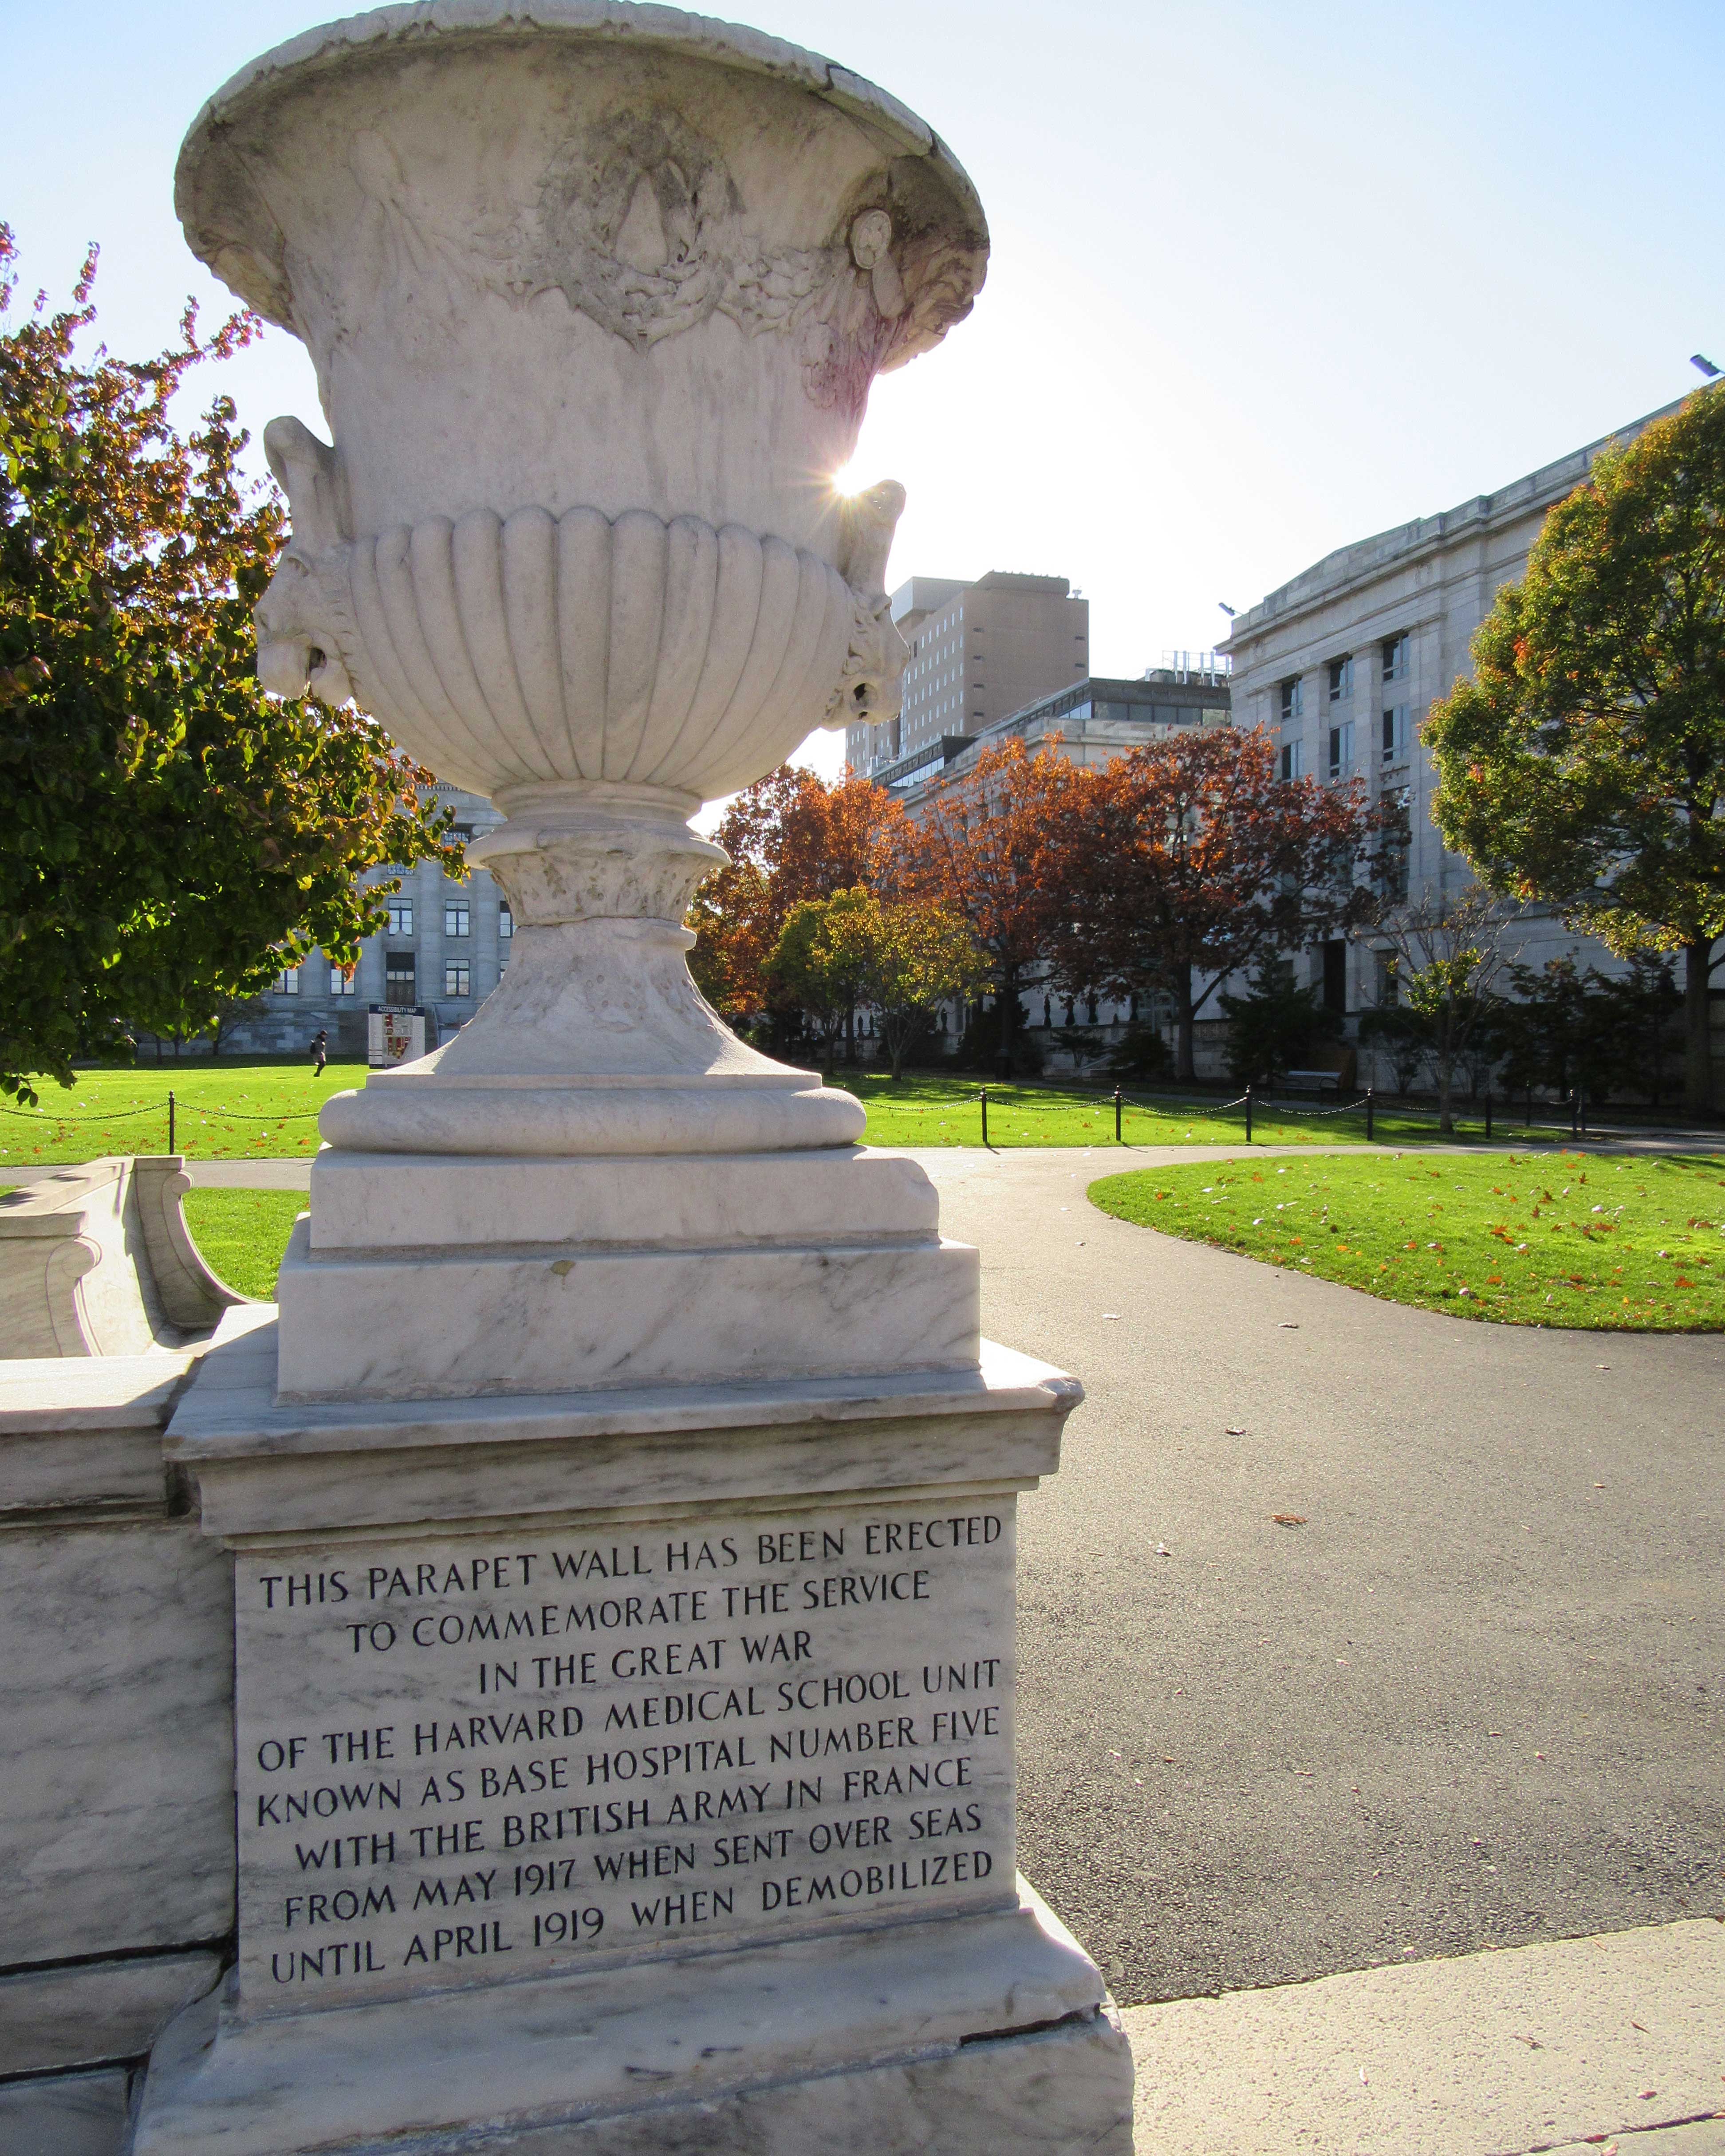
631	1771
431	1276
984	2034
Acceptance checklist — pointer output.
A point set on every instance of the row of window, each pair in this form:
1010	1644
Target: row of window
400	980
458	918
1393	745
1395	660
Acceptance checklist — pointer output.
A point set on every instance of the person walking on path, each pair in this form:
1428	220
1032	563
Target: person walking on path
320	1054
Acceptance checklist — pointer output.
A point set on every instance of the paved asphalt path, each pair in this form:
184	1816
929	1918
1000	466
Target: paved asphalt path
1475	1699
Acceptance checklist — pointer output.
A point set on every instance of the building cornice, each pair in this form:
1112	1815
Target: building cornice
1348	569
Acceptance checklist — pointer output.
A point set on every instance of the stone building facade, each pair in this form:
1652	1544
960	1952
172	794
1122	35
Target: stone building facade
1342	662
443	951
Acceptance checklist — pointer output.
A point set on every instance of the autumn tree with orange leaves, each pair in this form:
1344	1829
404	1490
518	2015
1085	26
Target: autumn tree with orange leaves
791	836
1190	859
999	848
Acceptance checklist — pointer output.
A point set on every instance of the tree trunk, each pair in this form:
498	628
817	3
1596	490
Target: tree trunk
1185	1067
1009	1009
1697	1030
1445	1088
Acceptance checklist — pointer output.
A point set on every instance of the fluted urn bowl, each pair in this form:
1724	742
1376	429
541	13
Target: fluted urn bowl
595	294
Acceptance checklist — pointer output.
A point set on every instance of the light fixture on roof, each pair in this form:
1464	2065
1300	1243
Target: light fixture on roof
1226	609
1701	359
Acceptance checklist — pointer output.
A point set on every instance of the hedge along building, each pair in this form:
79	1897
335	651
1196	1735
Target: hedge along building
1343	662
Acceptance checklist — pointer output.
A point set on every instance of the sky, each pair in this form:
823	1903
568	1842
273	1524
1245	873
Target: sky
1267	275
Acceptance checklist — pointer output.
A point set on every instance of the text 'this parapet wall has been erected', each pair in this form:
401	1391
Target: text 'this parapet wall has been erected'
479	1757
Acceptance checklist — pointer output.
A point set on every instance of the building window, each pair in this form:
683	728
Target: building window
456	978
287	982
1293	759
1340	679
1398	657
1342	749
341	981
1395	734
398	980
401	917
455	919
506	923
1335	977
1398	845
1293	699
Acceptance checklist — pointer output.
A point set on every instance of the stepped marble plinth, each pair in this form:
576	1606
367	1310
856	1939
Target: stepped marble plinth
622	1508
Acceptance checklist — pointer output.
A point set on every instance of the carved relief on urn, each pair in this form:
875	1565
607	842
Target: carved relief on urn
595	294
594	316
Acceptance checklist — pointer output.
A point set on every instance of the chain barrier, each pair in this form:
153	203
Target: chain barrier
119	1116
160	1108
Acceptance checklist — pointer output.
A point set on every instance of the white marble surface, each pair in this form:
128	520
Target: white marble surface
447	1325
95	1259
69	2115
809	2045
842	1193
267	1470
699	227
116	1767
414	1110
465	1759
86	1430
96	2010
73	1276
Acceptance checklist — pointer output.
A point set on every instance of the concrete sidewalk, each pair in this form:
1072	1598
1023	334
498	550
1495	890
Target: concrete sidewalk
1545	2047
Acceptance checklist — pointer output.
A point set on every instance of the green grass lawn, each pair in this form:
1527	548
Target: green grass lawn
921	1110
224	1111
1570	1239
243	1233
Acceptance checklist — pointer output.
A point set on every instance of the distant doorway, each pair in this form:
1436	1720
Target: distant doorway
1336	977
399	981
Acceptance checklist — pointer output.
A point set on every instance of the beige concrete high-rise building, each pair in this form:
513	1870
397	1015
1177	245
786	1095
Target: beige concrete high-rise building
978	652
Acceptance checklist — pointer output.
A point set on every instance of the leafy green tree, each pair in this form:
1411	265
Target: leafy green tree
1585	765
1570	1026
915	955
173	840
820	959
1140	1052
1447	959
1276	1026
904	956
1404	1037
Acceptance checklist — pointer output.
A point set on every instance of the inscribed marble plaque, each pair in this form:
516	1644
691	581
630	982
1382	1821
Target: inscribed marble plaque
478	1758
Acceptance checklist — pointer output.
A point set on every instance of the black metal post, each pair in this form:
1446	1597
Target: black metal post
1249	1114
1575	1112
1581	1105
1530	1107
1117	1115
1371	1107
1488	1111
170	1123
984	1098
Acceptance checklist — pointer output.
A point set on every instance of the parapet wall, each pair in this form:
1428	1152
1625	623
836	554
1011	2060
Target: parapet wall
116	1771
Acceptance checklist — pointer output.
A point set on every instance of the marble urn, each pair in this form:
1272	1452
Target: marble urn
595	296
